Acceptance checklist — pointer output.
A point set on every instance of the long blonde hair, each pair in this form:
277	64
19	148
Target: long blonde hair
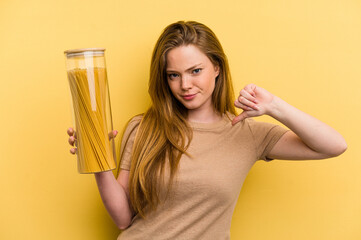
164	134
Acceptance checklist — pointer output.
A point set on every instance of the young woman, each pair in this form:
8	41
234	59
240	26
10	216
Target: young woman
183	161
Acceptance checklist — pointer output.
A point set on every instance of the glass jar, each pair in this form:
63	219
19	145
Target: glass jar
92	116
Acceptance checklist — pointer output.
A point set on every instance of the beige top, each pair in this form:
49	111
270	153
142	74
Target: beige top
206	188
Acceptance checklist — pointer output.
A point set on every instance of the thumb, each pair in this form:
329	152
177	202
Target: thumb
113	134
239	118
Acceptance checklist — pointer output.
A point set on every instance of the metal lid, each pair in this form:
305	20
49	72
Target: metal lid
81	51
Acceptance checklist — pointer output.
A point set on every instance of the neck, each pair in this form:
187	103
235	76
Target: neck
203	116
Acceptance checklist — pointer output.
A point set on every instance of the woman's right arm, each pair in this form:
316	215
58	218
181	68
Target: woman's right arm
114	192
115	196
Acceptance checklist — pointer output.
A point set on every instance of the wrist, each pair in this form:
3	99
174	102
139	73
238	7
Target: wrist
103	174
277	107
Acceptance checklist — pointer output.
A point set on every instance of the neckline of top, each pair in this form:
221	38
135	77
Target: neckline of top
211	126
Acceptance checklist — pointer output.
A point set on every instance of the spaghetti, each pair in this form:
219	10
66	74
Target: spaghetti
89	92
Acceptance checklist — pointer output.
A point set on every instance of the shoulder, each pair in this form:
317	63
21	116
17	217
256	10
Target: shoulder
135	121
254	126
264	130
132	125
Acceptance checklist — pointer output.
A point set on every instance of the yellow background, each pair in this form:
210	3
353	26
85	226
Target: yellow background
306	52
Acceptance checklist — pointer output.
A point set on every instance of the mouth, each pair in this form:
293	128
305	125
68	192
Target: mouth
189	96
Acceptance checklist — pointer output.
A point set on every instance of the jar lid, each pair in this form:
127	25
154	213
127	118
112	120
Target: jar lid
81	51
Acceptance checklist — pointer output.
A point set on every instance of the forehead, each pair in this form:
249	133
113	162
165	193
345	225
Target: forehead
183	57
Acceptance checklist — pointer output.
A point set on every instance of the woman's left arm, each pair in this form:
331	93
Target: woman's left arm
309	138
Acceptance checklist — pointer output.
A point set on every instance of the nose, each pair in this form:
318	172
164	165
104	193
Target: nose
186	83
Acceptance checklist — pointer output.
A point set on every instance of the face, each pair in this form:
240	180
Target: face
191	78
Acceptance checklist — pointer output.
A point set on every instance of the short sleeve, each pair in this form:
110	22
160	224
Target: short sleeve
127	142
265	136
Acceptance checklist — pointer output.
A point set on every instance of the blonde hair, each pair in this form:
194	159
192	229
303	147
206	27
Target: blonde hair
164	134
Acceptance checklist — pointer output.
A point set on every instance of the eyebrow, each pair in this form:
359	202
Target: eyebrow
170	70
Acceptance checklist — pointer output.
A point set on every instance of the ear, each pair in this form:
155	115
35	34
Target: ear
216	69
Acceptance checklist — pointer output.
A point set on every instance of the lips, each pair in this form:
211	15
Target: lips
189	96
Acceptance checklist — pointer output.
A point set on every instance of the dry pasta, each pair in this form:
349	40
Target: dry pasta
89	92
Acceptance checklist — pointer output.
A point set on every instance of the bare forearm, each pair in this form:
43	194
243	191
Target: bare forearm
315	134
114	198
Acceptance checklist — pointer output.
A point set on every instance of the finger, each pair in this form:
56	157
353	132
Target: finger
113	134
248	103
248	96
73	151
71	140
251	88
70	131
239	118
242	106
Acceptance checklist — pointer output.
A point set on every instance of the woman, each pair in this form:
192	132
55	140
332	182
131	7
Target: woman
183	162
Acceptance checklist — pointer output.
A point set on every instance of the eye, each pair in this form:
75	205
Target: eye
172	75
197	70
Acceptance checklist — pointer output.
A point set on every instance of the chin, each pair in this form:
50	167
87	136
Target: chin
190	106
